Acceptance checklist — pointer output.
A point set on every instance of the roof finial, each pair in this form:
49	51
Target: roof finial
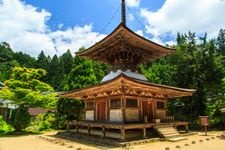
123	12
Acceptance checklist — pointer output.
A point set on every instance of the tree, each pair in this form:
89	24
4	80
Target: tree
82	74
67	60
42	61
24	60
100	70
6	53
26	90
160	72
68	110
6	61
221	42
200	68
55	73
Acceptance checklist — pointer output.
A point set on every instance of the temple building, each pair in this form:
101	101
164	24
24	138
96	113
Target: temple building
124	101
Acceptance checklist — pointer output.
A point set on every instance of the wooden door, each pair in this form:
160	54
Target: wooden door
101	111
147	110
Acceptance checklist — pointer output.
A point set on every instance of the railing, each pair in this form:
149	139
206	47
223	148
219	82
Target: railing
168	119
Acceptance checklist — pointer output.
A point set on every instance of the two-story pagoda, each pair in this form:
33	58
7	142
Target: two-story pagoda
124	100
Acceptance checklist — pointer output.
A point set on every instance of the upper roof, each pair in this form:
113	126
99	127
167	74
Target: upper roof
123	83
123	36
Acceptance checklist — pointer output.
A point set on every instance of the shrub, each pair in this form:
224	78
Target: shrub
22	118
42	122
4	127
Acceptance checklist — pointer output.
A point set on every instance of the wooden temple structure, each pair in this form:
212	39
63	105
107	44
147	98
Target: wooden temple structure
125	100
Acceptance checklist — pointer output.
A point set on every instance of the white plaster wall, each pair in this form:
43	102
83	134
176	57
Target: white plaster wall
115	115
132	114
89	115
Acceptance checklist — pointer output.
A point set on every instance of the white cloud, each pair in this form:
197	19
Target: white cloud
25	28
186	15
140	32
133	3
75	38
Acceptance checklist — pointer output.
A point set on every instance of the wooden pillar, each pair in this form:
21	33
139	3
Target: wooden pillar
123	109
186	127
144	132
89	129
108	108
103	131
123	134
77	126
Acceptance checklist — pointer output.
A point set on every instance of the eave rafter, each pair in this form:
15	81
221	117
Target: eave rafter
126	85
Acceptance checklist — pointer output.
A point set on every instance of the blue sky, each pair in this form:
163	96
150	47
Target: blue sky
70	13
57	25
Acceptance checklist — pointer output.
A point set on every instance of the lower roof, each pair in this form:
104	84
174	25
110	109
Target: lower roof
123	84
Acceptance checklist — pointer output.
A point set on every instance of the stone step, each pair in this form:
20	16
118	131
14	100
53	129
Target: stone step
169	132
175	139
171	135
166	129
164	126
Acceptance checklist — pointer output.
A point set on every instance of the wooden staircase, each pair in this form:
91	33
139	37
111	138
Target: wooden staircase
169	133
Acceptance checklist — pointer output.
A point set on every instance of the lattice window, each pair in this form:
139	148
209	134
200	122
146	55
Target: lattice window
160	105
131	102
115	102
89	105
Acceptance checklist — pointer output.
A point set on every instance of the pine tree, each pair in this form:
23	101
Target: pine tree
67	60
42	61
221	42
55	72
25	60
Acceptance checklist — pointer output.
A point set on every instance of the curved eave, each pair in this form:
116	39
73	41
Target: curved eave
94	51
123	80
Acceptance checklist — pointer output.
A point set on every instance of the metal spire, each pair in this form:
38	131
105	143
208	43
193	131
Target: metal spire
123	12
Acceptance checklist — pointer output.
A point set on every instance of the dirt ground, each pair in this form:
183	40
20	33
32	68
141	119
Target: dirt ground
33	142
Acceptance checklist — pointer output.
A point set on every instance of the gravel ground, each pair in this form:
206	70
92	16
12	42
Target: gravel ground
48	142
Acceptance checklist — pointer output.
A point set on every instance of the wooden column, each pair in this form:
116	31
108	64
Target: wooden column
123	110
89	129
108	108
186	127
77	127
144	132
103	131
123	134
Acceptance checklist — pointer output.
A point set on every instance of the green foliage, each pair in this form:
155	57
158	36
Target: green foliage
6	53
100	70
22	118
200	68
68	110
6	61
67	60
24	88
82	74
160	72
221	42
42	61
4	127
24	60
42	122
55	72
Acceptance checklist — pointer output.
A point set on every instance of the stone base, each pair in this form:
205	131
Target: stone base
103	141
